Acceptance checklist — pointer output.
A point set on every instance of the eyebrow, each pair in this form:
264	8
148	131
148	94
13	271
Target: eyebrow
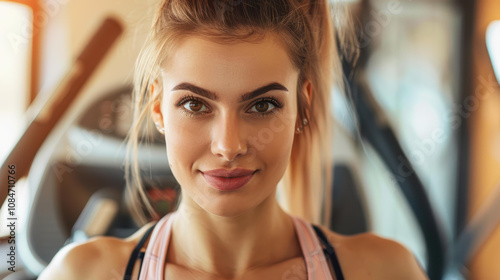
247	96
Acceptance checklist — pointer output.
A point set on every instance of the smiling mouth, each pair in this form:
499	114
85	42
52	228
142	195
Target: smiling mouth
227	183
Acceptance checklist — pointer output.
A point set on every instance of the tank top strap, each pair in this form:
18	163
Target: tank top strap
156	252
316	265
329	252
136	253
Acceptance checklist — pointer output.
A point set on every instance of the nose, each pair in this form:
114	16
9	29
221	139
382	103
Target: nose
227	140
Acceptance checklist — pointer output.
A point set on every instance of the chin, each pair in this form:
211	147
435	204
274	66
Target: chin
228	209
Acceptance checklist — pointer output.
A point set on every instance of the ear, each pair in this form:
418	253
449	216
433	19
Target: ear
156	113
307	90
307	93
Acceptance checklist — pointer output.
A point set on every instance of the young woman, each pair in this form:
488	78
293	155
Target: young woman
240	91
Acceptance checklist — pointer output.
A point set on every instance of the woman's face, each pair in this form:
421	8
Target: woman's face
212	122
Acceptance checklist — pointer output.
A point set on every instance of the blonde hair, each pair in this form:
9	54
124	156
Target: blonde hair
306	29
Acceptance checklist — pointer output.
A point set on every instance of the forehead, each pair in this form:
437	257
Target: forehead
238	66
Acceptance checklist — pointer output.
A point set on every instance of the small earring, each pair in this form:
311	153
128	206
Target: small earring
299	129
160	129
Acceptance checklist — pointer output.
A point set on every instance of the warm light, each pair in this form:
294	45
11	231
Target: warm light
15	69
493	44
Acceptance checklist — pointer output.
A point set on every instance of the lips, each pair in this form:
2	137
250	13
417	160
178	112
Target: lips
228	180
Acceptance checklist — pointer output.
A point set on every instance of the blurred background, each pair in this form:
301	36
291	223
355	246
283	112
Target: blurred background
416	146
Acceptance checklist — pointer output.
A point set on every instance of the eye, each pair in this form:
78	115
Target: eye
266	106
263	106
194	105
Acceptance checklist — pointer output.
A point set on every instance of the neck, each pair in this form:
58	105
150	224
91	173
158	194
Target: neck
229	247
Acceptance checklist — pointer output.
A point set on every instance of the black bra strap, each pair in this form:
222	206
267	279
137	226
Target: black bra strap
141	256
329	253
136	253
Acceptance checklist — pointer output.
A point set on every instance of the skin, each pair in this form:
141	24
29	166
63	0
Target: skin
214	222
222	235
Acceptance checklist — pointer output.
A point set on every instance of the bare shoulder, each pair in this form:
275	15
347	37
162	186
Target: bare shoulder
369	256
100	257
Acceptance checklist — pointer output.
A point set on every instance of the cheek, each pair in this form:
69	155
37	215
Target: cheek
272	142
279	150
185	142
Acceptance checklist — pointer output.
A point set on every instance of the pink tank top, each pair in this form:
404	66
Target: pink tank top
153	266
